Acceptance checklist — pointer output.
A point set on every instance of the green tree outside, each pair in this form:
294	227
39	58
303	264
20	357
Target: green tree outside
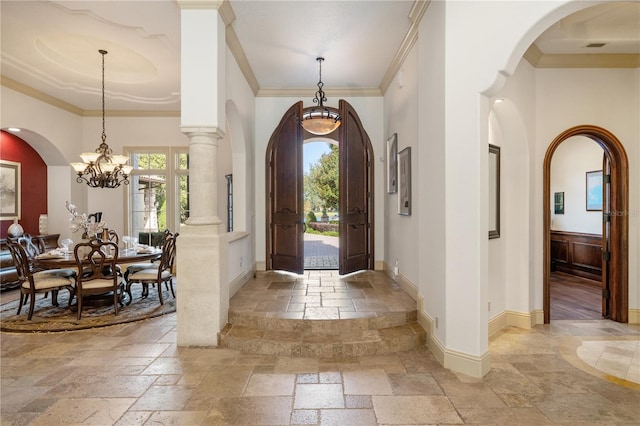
323	181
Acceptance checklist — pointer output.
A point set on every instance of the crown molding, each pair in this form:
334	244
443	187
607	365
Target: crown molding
48	99
538	59
330	93
415	15
41	96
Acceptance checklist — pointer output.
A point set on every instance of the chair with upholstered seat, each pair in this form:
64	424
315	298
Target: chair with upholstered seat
33	282
97	259
158	273
136	267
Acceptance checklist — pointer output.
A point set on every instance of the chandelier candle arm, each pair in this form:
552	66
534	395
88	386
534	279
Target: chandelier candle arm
102	169
320	120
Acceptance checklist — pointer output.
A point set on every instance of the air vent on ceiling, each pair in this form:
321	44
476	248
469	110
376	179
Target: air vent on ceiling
595	44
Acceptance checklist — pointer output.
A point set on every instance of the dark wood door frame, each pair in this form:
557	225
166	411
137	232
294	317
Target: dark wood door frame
284	193
618	265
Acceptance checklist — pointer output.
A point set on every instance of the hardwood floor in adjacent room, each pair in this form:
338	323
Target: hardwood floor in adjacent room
575	298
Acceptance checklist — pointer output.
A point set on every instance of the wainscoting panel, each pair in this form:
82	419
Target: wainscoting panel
577	253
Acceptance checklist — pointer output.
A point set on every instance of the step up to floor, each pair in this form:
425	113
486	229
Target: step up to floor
322	314
323	344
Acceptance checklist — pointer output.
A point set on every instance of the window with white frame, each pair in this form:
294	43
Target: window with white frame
158	193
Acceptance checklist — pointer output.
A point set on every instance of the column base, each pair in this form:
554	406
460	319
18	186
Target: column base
203	288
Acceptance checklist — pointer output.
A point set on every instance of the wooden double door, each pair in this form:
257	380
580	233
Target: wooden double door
285	194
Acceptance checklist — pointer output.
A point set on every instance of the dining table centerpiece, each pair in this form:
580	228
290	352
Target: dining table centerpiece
87	223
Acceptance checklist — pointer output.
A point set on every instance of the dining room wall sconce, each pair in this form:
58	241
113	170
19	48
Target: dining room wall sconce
102	169
320	120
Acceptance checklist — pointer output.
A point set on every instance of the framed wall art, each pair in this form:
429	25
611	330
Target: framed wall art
9	189
392	164
594	190
494	191
558	202
404	182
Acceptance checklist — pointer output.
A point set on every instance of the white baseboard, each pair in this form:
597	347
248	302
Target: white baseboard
516	319
459	362
237	284
634	316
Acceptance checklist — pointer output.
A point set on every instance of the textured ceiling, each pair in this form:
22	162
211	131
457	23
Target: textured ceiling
50	48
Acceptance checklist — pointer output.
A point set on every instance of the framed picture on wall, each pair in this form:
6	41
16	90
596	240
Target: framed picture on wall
494	191
594	190
9	189
392	164
404	182
558	202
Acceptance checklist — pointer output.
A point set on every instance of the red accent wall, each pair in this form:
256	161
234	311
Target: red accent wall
33	171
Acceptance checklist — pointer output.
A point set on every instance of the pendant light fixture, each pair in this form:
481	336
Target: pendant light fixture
102	169
320	120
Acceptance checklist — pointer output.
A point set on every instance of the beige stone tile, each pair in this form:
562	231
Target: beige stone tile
163	398
308	378
415	410
269	410
330	377
304	417
321	313
472	395
226	381
414	384
177	418
367	382
134	418
84	411
352	417
358	401
503	416
15	398
270	385
316	396
102	387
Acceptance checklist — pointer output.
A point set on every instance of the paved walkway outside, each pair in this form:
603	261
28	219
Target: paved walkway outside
320	252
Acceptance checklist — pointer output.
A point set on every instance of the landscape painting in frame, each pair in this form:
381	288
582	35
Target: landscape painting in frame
9	189
404	182
594	190
392	164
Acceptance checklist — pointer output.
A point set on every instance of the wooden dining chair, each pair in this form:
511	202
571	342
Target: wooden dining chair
97	260
33	282
158	274
136	267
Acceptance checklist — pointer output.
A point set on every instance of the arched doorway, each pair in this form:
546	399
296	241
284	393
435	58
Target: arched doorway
615	221
285	200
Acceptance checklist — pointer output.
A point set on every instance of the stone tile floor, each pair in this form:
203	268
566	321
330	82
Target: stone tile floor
134	374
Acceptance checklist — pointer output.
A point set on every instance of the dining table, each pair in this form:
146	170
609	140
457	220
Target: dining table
61	258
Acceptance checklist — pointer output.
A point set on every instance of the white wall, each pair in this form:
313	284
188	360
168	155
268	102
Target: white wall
571	160
511	126
608	98
401	117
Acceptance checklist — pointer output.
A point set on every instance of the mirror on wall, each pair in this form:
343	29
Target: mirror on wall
494	191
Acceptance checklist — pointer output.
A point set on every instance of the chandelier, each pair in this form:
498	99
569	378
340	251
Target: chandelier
102	169
320	120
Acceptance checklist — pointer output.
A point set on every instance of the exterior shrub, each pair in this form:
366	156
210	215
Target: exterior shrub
311	217
324	226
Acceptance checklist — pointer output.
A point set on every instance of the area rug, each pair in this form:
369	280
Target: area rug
48	318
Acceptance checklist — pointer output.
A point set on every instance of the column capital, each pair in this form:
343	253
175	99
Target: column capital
199	4
214	131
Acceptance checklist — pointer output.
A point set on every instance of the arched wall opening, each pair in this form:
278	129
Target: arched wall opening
58	171
617	215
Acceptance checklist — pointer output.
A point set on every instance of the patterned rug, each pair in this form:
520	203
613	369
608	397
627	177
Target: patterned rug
48	318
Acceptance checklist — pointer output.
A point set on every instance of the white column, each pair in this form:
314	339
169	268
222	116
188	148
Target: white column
202	290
